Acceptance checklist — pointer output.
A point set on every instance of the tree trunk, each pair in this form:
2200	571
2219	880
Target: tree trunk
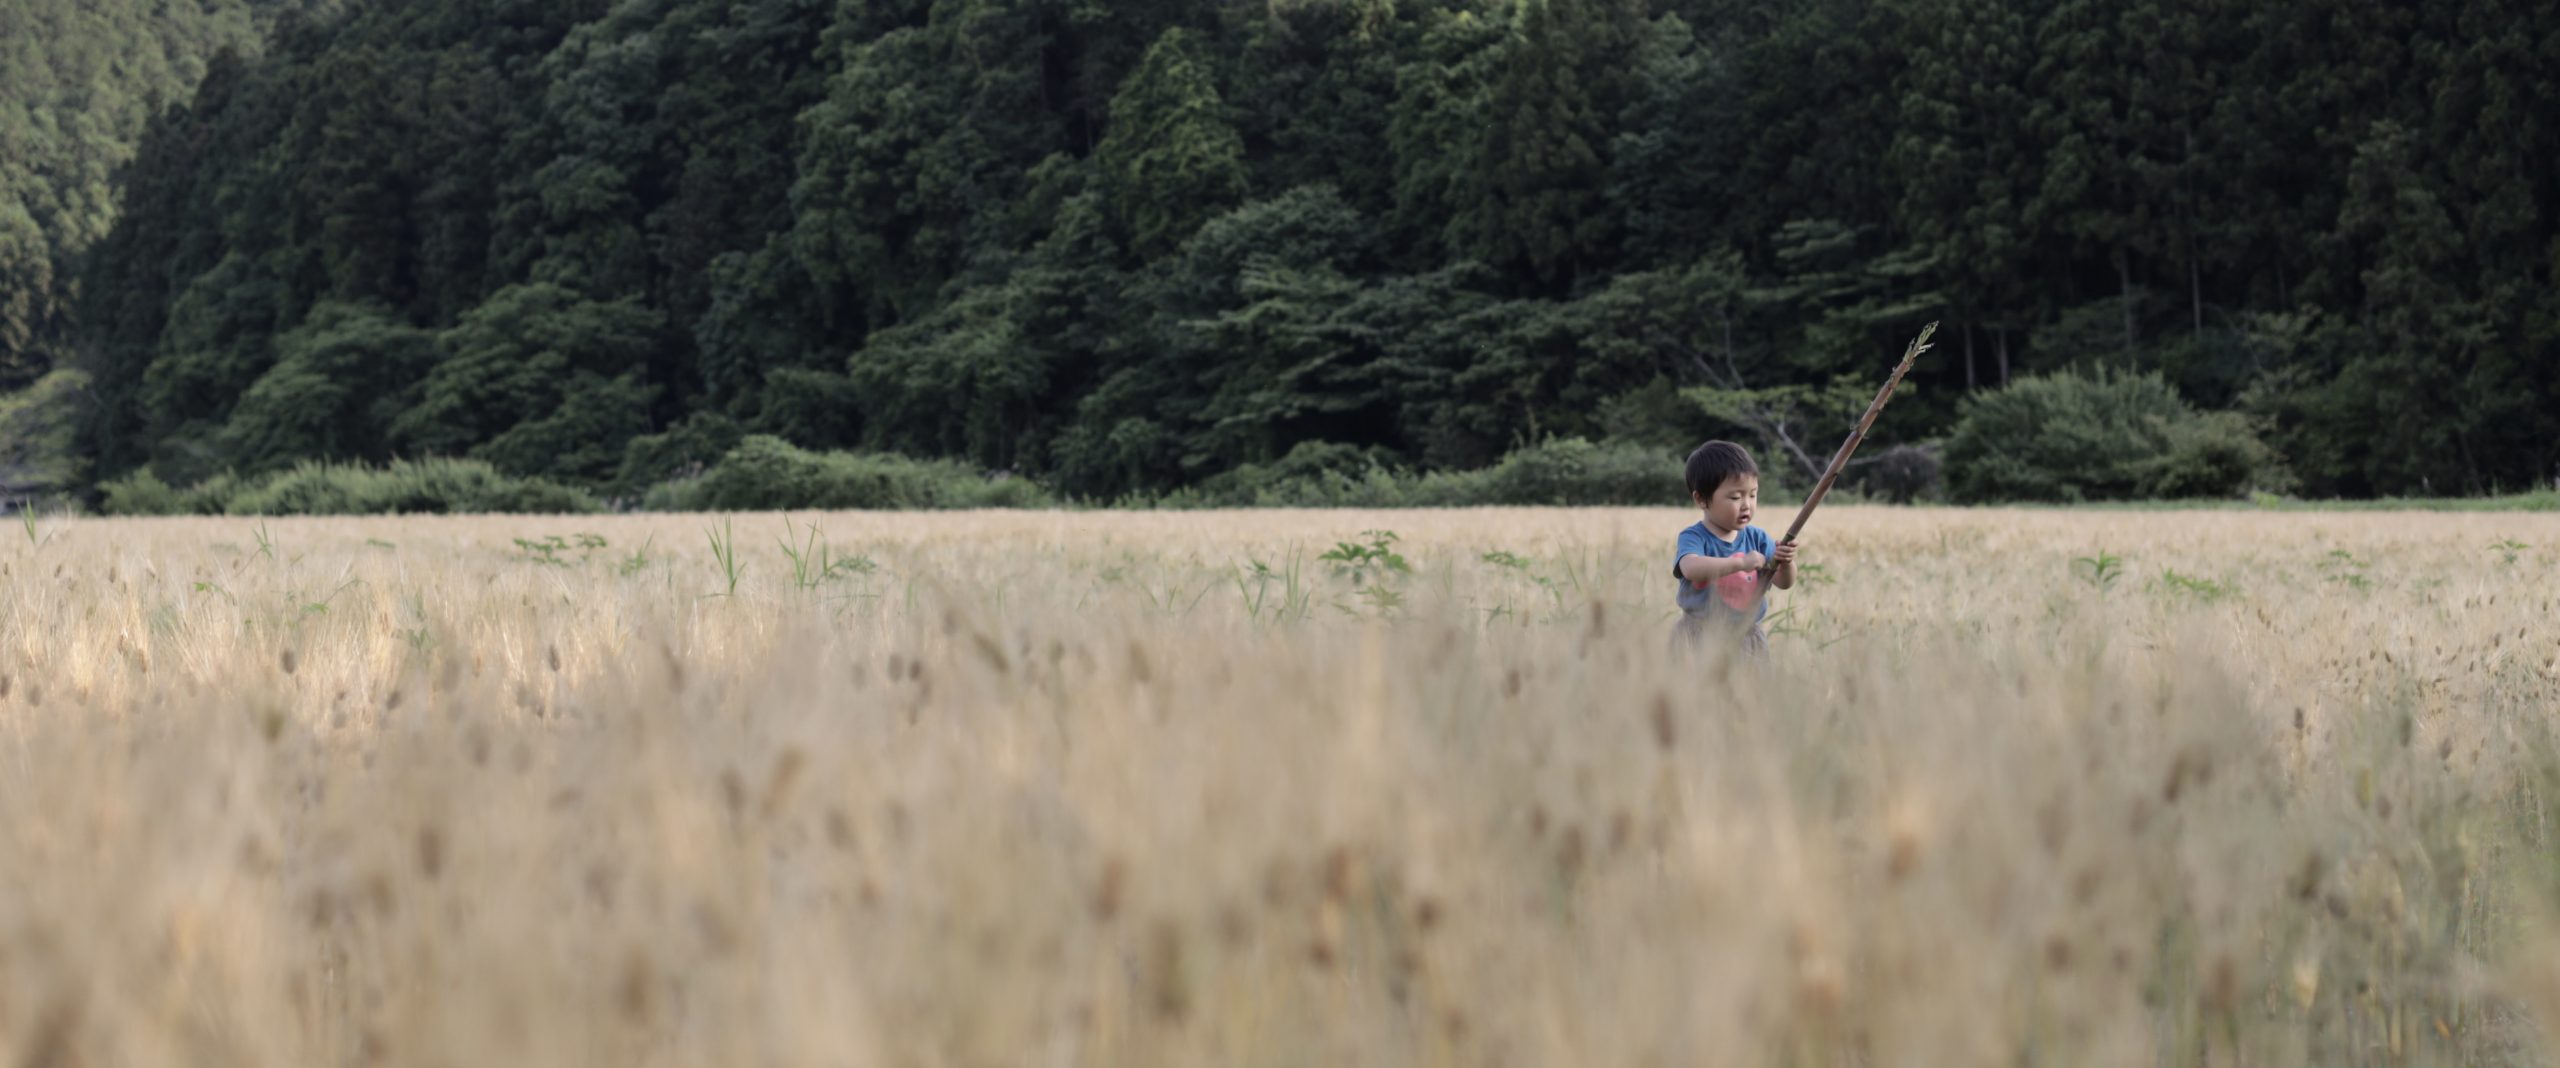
2187	219
2195	284
1968	357
2003	335
2124	277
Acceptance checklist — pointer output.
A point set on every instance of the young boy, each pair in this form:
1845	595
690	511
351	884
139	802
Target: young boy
1719	561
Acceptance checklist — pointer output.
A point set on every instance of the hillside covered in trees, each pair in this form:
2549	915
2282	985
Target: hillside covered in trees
78	80
1121	248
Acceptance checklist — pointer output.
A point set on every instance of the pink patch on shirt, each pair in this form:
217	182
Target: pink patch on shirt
1740	590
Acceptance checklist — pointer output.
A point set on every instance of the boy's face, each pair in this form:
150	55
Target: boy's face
1731	506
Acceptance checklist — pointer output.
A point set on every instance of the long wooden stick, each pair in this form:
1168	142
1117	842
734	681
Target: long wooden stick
1840	460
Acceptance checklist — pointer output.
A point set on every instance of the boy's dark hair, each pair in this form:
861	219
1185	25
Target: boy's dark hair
1715	462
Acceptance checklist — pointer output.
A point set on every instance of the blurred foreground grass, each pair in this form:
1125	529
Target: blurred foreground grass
1176	789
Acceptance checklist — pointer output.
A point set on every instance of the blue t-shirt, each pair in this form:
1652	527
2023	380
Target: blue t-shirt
1737	598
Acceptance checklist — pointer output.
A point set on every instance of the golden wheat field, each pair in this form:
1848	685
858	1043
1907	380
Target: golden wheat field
1023	789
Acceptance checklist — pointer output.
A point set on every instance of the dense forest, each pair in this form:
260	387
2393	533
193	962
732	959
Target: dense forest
1120	248
78	81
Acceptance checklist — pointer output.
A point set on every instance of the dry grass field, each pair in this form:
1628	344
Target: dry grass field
1028	789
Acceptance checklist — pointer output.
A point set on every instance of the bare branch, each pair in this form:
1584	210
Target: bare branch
1776	429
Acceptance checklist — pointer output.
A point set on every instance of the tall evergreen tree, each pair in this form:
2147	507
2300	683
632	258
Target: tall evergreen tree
1172	156
921	140
1434	126
1968	164
1551	111
1663	182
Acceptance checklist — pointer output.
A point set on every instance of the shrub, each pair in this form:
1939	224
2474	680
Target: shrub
2070	437
1901	474
39	448
765	472
143	493
403	488
1315	474
1573	471
1569	471
2215	454
681	451
140	493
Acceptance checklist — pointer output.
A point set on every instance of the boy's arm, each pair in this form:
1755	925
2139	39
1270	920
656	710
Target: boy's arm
1699	567
1782	566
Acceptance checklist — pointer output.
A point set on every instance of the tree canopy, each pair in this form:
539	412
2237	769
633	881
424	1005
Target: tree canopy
79	79
1124	248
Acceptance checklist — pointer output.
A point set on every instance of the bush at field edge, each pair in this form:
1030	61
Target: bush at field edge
405	487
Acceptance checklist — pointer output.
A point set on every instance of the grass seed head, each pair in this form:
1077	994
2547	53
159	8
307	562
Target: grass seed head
1339	867
635	993
675	668
1426	914
991	652
1166	973
733	793
430	852
787	766
1109	889
1819	984
1903	833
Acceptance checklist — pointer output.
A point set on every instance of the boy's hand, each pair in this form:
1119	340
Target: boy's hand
1785	554
1748	562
